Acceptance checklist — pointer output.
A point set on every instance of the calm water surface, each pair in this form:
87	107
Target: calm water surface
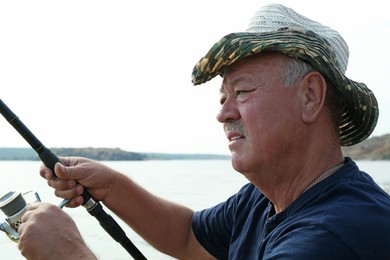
196	184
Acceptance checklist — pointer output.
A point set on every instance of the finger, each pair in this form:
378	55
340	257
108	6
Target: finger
34	205
60	184
45	172
65	172
71	161
29	209
69	193
75	202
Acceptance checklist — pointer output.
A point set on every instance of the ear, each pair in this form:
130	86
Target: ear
313	92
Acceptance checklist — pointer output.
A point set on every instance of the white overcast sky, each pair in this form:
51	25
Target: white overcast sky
118	73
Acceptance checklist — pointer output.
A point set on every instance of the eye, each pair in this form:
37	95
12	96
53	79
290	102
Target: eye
239	92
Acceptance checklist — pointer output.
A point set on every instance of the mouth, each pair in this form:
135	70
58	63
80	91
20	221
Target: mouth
234	131
234	136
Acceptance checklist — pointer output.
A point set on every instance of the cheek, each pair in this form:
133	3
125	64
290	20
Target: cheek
258	118
272	120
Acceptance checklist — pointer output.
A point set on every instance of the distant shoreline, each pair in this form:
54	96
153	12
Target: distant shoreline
374	148
103	154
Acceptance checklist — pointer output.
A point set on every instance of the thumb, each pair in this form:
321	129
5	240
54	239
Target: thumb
65	172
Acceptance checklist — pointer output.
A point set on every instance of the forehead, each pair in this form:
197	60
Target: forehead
266	65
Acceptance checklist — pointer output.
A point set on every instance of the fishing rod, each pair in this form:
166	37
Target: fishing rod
93	207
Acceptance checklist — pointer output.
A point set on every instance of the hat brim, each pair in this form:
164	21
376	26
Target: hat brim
361	112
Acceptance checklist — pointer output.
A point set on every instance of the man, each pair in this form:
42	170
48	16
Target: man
286	108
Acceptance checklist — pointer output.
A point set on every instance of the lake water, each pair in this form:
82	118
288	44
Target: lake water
197	184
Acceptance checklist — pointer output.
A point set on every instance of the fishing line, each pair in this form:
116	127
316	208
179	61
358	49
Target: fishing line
93	207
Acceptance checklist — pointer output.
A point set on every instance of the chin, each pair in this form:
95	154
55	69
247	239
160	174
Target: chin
240	163
246	164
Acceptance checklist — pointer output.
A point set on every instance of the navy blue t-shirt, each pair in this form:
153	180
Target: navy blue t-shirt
345	216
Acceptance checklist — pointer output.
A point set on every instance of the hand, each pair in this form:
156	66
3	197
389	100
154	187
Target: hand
78	173
47	232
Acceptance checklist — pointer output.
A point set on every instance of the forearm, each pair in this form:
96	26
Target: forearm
164	224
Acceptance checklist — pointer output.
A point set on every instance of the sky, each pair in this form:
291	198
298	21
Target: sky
117	74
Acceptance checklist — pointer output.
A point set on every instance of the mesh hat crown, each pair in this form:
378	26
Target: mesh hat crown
278	28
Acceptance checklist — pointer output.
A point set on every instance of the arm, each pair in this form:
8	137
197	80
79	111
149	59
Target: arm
164	224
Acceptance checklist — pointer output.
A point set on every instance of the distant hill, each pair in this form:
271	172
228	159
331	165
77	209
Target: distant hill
102	154
93	153
374	148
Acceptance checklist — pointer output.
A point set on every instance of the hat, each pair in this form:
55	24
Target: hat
278	28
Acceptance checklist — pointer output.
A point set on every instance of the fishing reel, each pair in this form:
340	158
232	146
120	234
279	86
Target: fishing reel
14	205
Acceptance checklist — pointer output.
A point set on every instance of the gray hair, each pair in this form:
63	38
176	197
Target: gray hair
295	69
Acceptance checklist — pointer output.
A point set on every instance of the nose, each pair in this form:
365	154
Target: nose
228	111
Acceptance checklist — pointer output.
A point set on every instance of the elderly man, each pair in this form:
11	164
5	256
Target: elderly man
286	108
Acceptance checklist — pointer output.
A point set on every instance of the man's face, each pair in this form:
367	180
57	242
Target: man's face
261	115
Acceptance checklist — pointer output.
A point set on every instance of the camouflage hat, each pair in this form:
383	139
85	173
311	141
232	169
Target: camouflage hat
278	28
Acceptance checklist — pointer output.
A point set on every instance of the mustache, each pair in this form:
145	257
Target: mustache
234	126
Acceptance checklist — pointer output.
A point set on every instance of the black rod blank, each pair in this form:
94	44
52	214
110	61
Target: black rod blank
50	159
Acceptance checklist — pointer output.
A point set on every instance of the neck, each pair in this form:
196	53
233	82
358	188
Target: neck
285	182
324	175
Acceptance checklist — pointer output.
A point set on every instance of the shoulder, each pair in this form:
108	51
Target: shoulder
346	189
240	203
349	210
214	227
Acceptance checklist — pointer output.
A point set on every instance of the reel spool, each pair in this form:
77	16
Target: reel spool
13	205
